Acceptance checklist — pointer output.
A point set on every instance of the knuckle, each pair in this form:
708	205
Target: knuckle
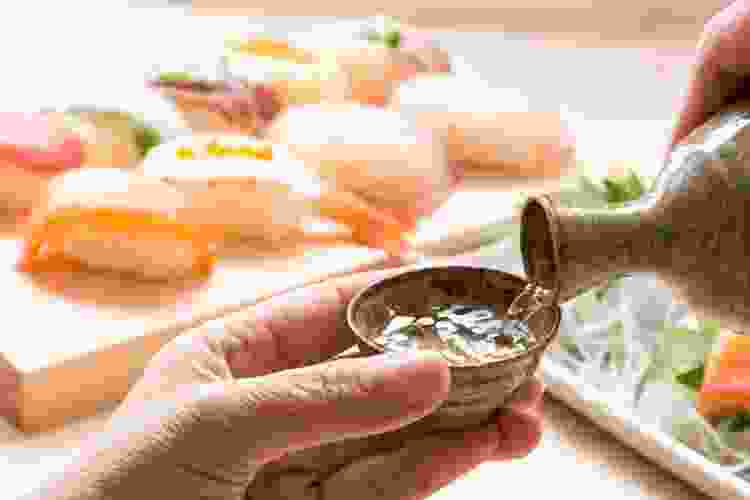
348	381
328	382
330	386
254	395
361	385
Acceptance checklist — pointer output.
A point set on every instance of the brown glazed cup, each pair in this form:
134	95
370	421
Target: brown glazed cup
478	390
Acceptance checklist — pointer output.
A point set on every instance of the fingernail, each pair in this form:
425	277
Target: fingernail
526	396
520	433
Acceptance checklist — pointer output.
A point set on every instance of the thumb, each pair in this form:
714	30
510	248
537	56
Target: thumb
308	407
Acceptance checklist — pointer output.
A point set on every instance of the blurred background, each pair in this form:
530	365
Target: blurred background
611	21
620	67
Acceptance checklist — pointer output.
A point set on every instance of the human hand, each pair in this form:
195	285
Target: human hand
220	403
721	73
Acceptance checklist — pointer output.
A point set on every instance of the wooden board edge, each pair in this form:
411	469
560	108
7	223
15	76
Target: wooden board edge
45	399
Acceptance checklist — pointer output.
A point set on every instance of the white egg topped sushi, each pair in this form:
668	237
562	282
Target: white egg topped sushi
245	190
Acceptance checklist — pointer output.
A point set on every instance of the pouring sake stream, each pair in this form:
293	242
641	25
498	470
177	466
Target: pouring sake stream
691	229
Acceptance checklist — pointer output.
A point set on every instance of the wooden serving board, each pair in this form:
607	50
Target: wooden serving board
64	355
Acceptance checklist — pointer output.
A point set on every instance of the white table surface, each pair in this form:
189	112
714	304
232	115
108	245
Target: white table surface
620	100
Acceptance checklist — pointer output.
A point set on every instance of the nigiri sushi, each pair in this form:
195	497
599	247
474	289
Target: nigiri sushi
419	45
489	131
33	148
368	74
377	154
297	75
115	220
112	138
340	71
252	192
324	65
383	54
219	106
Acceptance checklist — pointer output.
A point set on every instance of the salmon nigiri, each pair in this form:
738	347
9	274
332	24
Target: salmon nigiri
252	192
114	220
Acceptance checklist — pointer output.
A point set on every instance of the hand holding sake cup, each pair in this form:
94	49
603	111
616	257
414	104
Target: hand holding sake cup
261	404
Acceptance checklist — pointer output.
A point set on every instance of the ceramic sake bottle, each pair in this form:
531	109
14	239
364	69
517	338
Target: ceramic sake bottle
692	228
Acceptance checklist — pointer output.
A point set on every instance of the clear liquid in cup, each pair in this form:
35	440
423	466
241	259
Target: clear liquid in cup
462	333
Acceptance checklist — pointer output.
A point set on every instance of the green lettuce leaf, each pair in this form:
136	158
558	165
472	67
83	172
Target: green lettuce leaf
570	346
680	350
389	34
175	76
696	433
692	378
611	283
496	232
146	137
620	190
585	303
616	346
736	423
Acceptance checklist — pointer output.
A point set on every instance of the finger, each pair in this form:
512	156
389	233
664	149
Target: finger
520	433
519	423
299	328
295	329
722	66
527	397
308	407
416	471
